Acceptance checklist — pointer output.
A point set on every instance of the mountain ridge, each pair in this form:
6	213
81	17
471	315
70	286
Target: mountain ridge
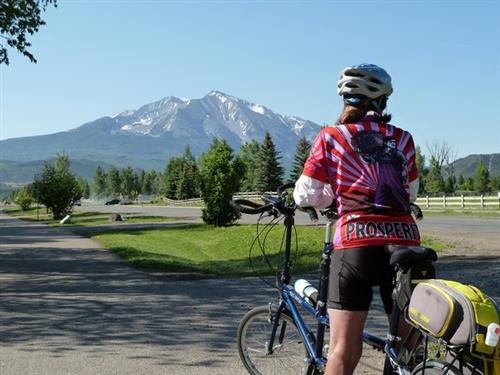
159	130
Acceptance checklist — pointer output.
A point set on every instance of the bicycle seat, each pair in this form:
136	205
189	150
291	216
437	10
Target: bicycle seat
406	255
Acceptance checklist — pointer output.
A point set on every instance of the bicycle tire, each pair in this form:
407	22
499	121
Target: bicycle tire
436	368
289	357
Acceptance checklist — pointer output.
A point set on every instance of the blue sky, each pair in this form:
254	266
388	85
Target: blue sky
97	58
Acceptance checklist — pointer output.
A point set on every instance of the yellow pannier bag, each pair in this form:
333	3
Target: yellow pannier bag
459	314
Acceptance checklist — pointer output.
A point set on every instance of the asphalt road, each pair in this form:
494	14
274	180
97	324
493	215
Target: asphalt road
428	224
67	306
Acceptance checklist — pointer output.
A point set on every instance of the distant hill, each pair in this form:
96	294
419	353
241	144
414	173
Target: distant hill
20	173
467	166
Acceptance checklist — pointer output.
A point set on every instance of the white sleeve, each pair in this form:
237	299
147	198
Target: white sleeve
414	185
310	192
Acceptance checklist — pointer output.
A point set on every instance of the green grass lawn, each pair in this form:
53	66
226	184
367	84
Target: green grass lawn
217	251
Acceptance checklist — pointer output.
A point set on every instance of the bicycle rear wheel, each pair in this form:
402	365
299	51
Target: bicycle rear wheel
436	368
288	353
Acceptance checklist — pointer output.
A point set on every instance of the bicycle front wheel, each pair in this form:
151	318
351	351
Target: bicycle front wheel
288	355
436	368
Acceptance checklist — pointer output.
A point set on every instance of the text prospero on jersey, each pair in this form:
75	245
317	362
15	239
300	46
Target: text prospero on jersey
370	229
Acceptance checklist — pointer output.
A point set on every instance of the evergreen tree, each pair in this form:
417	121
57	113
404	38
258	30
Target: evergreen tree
130	183
84	187
495	183
57	188
422	171
187	184
220	176
301	153
469	184
481	178
434	182
181	177
149	183
171	177
249	158
99	182
140	181
156	183
449	184
461	183
269	171
113	182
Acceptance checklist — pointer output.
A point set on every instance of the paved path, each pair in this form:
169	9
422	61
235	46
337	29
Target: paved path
488	225
68	306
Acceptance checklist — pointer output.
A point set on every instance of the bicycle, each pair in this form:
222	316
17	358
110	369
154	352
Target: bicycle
275	339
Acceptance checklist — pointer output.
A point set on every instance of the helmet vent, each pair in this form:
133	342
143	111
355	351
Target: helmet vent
352	73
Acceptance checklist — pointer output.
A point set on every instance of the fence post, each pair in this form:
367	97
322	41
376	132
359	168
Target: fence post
428	206
499	199
482	200
462	201
444	200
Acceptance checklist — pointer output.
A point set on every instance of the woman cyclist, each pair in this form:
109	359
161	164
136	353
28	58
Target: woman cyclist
367	168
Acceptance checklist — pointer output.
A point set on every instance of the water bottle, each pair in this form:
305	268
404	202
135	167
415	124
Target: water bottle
306	291
492	335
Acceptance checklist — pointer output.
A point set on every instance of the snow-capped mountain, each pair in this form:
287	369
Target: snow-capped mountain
148	136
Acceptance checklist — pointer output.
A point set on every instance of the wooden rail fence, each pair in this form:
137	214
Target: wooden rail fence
441	202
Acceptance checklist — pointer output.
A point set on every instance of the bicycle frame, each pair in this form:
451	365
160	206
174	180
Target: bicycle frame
290	300
289	297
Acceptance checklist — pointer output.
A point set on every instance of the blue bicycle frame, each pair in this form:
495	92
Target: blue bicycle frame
290	299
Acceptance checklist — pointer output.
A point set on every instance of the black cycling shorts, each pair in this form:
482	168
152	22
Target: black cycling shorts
353	274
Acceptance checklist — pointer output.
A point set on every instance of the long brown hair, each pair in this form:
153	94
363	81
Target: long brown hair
351	114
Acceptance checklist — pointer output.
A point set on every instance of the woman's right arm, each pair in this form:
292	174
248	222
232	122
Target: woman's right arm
310	192
312	189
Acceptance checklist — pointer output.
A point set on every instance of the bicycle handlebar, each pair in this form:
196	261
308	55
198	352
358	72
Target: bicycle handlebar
249	207
252	208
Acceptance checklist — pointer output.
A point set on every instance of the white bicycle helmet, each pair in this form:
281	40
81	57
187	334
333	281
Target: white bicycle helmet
365	79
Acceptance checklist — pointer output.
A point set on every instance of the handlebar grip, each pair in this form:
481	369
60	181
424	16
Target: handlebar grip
416	211
313	215
248	207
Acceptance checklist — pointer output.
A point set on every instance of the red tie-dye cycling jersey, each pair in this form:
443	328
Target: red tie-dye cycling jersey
369	166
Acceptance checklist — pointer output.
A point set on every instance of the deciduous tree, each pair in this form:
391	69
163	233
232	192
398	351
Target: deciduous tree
18	19
434	182
57	187
23	199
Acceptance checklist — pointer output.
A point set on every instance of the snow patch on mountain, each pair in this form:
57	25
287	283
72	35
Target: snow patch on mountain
215	115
